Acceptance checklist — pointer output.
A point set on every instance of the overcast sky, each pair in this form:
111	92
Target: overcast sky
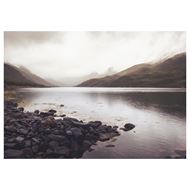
74	54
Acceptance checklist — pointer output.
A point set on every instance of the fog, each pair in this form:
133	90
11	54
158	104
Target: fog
61	55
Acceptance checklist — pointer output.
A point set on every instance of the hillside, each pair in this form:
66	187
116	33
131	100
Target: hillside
32	77
170	72
19	77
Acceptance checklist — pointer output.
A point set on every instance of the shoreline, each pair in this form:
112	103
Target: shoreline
39	135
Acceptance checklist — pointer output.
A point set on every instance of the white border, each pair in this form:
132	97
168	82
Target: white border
86	15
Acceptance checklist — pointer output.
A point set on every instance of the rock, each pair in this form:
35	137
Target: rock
53	145
36	112
115	127
63	115
61	105
110	145
86	144
129	126
107	136
104	137
58	138
18	115
35	148
69	132
13	153
9	145
23	131
10	128
28	143
95	123
40	135
21	109
27	152
36	140
19	139
77	133
63	150
52	112
44	114
50	121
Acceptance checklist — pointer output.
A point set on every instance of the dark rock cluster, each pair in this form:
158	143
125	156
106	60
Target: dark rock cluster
39	135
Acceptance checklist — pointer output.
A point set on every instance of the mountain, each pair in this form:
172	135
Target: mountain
15	76
170	72
32	77
73	81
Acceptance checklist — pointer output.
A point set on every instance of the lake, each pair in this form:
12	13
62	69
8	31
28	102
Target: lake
159	115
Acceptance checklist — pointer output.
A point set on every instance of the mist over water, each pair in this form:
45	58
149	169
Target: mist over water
158	114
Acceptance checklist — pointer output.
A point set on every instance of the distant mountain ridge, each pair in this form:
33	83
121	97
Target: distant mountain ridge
170	72
21	76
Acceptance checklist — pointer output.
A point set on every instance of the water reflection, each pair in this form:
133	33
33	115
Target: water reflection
170	102
158	114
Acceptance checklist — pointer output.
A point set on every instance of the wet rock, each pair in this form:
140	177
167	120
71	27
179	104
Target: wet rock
10	128
28	143
53	145
13	153
35	148
95	123
58	138
23	131
40	135
35	140
9	145
69	132
63	150
115	127
76	132
50	121
44	114
86	144
107	136
27	152
104	137
21	109
128	127
52	111
19	139
36	112
110	145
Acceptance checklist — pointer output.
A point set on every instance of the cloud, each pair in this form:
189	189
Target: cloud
73	54
28	38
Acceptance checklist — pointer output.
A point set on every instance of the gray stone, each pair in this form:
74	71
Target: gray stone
10	128
12	153
19	139
69	132
63	150
76	132
53	145
28	143
86	144
10	145
56	137
129	126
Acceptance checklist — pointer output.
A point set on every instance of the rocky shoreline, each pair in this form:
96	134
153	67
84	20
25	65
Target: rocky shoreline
40	135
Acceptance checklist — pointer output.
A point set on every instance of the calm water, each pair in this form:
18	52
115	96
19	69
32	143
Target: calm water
158	114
